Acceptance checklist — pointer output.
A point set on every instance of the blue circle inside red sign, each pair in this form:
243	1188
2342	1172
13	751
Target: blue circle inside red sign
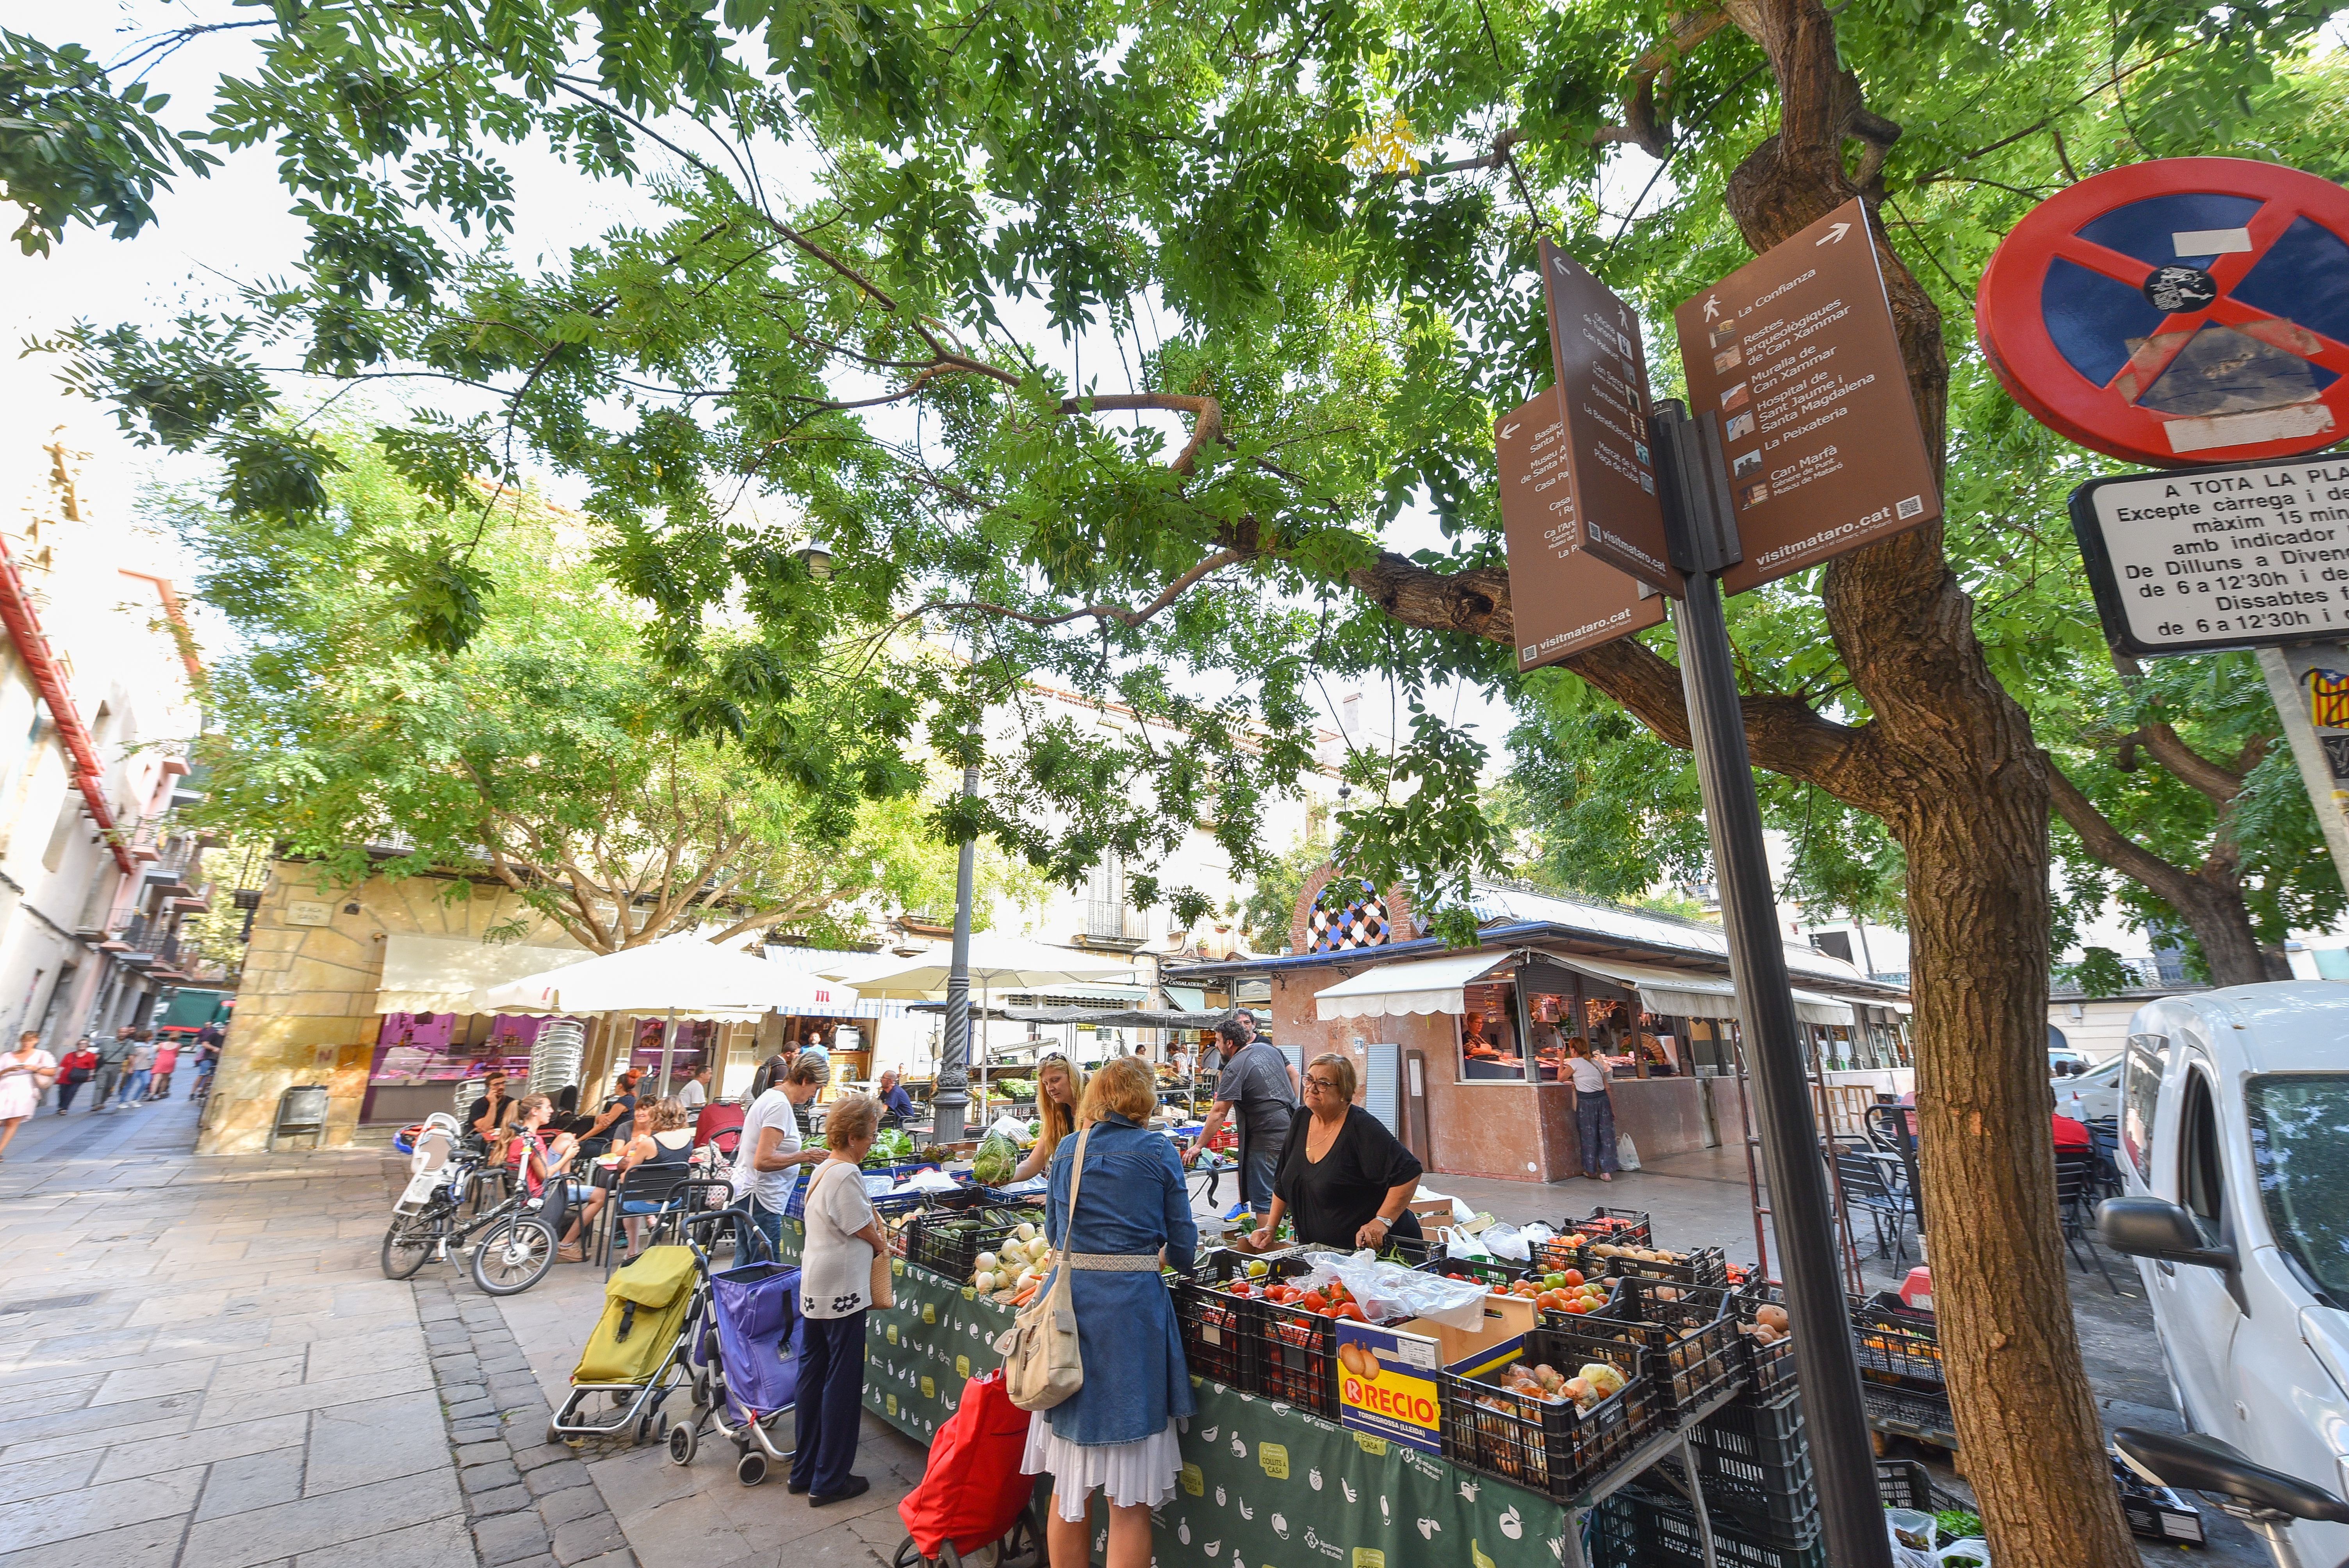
2187	311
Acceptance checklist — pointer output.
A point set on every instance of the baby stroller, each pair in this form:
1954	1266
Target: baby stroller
745	1350
973	1494
637	1355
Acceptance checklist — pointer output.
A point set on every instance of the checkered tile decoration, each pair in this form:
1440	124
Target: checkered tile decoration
1348	914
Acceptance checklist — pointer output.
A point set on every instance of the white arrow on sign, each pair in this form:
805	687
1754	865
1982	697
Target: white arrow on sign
1836	233
1508	429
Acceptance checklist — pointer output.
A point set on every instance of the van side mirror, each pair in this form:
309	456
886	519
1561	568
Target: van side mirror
2157	1228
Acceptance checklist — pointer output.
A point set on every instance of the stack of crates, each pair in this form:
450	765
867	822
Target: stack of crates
1754	1459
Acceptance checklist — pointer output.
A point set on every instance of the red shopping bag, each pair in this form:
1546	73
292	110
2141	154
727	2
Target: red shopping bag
972	1489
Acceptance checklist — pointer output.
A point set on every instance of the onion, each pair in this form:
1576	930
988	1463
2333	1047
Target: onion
987	1261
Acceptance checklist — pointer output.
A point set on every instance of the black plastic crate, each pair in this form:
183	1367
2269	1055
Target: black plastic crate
2156	1513
1216	1341
1768	1436
1770	1367
1627	1227
948	1242
1612	1308
1549	1446
1642	1527
1559	1253
1692	1336
1917	1413
1899	1347
1777	1500
1290	1354
1703	1265
1494	1273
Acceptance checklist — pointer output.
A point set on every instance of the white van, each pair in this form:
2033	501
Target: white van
2234	1132
2091	1096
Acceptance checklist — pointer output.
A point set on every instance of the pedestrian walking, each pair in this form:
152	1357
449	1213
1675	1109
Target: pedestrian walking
80	1066
167	1056
208	1053
26	1074
113	1064
141	1068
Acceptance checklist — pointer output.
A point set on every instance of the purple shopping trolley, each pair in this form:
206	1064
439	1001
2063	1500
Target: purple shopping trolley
746	1358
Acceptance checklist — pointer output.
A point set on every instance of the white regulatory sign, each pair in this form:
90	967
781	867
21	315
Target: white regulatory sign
2243	556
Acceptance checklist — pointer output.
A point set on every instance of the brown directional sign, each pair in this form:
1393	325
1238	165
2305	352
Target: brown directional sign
1602	395
1564	600
1795	354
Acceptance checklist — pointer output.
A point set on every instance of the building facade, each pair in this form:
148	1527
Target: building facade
97	706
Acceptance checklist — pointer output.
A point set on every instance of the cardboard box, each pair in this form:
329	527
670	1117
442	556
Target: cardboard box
1386	1376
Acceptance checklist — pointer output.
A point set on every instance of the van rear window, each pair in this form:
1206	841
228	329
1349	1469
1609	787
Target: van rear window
2300	1143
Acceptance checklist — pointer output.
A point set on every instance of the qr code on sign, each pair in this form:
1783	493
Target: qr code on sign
1910	508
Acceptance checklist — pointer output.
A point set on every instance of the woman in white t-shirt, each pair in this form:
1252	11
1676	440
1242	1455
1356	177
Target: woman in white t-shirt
1594	1108
767	1161
844	1237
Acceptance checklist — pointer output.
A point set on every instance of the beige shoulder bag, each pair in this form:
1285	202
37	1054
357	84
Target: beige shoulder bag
1042	1364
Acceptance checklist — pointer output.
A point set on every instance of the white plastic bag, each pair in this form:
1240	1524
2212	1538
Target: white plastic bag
1508	1243
1389	1290
1012	1128
1627	1153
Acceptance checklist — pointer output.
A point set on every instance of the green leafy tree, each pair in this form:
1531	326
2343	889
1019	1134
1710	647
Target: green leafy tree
550	754
75	149
1307	236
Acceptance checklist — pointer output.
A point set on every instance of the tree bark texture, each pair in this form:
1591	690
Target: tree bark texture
1948	761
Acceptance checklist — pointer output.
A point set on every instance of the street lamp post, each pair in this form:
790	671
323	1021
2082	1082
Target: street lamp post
952	1093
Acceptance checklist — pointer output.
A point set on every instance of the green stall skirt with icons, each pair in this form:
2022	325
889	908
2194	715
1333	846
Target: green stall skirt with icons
1262	1485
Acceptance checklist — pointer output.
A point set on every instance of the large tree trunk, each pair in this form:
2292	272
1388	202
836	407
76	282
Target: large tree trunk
1948	761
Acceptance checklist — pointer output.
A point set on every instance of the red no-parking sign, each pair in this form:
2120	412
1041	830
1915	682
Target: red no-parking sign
2183	312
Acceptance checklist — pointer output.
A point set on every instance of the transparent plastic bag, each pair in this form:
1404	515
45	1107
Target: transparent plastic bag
1508	1243
1390	1290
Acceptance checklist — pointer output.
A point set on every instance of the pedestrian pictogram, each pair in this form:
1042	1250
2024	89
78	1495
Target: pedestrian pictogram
2185	311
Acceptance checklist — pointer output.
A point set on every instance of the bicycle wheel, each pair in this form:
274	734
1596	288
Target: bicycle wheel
406	1247
514	1255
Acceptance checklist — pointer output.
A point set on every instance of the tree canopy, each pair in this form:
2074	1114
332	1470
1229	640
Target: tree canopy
548	753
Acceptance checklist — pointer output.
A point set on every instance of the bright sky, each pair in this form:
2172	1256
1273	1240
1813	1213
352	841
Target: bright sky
233	228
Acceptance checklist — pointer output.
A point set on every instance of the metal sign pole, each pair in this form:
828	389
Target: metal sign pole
1702	532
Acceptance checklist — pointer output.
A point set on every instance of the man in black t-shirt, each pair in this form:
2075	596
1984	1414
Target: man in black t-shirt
487	1112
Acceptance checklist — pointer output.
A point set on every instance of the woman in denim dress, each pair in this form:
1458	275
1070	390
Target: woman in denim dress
1118	1431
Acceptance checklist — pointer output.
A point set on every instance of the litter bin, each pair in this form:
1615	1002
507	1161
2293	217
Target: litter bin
300	1110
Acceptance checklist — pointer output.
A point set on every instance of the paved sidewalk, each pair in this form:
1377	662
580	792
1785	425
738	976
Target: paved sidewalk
201	1365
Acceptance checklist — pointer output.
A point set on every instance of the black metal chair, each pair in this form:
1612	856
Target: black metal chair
2076	1189
660	1194
1873	1184
1892	1128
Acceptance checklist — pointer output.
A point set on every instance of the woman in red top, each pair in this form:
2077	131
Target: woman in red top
79	1066
539	1160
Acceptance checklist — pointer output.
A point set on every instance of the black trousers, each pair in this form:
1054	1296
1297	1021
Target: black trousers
67	1090
831	1409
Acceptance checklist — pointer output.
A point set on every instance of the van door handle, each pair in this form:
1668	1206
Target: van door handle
2166	1269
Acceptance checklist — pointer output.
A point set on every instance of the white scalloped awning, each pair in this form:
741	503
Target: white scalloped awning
1419	986
1682	993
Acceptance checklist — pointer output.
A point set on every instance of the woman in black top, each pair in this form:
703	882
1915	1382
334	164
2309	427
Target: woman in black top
1343	1180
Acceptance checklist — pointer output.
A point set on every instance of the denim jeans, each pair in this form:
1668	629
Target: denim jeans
1594	1121
135	1090
769	1223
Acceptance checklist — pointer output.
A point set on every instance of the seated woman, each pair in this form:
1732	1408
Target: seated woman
1343	1180
539	1157
662	1138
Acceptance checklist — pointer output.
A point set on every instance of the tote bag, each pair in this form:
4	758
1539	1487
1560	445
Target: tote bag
1041	1363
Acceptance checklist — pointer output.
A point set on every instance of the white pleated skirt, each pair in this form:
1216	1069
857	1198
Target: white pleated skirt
1140	1472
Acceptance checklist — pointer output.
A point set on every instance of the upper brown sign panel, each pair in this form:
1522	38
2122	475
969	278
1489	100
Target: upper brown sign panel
1564	599
1795	353
1603	396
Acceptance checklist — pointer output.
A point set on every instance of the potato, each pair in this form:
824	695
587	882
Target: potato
1771	1317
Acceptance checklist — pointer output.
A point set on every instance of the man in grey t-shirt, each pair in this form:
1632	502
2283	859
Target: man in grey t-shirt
1258	1080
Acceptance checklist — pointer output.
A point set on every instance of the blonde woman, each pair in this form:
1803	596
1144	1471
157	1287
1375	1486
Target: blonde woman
1059	1090
664	1138
844	1237
1117	1432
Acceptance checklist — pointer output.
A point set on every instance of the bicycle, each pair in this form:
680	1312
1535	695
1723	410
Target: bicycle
516	1247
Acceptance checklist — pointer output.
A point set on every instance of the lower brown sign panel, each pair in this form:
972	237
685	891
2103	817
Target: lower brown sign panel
1564	599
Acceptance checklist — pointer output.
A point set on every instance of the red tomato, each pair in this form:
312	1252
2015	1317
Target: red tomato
1313	1301
1348	1309
1573	1277
1240	1287
1576	1307
1334	1311
1458	1276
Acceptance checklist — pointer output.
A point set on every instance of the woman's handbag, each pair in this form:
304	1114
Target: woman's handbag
1042	1365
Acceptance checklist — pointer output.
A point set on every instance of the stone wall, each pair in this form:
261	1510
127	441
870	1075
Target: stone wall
305	1009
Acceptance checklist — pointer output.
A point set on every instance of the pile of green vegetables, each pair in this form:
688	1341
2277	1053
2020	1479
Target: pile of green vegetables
891	1146
1016	1089
998	1158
